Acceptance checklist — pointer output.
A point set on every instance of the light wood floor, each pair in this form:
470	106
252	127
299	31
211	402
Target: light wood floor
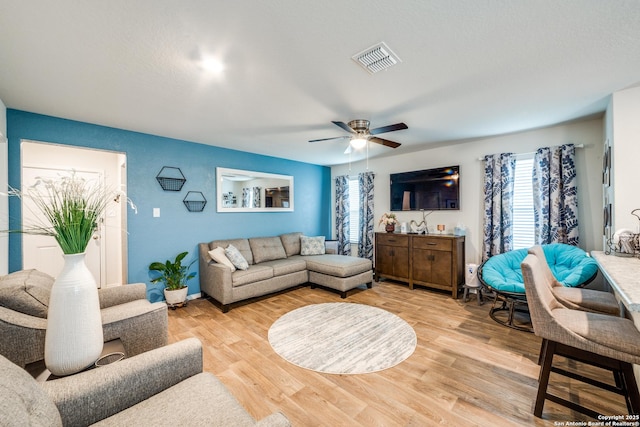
466	370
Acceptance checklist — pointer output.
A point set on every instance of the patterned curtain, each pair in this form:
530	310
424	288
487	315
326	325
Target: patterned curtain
342	215
555	196
365	242
499	176
246	197
256	197
251	197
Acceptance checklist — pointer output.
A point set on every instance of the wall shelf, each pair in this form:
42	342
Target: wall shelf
171	178
195	201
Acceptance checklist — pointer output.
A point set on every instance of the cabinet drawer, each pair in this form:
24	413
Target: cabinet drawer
392	240
432	243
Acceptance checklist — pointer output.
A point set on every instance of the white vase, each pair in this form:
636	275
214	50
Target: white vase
74	338
176	296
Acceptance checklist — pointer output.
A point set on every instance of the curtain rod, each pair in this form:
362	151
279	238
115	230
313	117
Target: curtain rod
533	152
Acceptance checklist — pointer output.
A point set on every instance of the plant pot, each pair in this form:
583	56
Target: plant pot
390	228
74	338
177	296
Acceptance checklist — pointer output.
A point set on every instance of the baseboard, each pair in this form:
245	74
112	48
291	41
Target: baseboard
194	296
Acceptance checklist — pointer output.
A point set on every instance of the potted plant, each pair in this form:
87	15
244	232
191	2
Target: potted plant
389	220
70	209
174	275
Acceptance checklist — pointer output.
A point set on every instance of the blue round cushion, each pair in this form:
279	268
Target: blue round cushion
502	272
570	265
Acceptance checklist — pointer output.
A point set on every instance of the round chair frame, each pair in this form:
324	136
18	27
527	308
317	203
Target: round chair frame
512	302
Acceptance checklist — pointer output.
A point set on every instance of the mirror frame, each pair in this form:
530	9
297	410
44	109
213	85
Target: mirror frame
220	172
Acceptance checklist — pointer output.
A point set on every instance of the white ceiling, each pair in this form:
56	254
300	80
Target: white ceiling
470	68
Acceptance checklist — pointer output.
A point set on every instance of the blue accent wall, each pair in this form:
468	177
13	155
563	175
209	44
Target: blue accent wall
157	239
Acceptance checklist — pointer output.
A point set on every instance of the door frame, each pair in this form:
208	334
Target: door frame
60	156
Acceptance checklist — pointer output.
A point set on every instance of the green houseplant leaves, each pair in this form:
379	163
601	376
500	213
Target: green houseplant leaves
173	274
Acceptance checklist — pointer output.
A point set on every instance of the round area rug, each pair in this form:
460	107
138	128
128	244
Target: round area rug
342	338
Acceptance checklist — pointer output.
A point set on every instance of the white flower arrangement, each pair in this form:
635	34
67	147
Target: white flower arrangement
72	207
388	219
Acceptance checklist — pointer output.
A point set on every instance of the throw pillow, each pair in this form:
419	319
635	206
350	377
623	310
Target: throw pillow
26	291
220	257
236	258
311	245
24	401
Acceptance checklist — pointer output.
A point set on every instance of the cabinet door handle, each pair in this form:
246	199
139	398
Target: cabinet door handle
431	243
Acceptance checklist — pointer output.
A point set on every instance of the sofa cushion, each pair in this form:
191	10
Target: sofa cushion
218	255
22	400
266	249
338	265
26	291
241	244
254	274
236	258
291	243
311	245
209	404
287	265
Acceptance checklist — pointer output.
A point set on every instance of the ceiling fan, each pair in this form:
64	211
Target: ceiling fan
360	134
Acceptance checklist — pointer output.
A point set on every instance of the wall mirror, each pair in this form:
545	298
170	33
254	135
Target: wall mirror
250	191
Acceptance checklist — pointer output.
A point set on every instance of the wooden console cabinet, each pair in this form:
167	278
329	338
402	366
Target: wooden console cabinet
431	260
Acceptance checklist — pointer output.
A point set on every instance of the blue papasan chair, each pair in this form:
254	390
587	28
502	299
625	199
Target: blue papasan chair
502	276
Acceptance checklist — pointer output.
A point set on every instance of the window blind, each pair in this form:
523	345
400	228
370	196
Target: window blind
523	220
354	210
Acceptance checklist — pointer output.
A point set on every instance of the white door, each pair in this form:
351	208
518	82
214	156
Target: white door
43	252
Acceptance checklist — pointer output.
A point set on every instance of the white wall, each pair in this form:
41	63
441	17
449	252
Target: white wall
623	130
111	165
466	154
4	201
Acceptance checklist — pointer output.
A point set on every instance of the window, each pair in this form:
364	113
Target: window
354	210
523	220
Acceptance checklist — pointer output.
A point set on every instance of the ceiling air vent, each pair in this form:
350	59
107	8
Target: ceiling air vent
376	58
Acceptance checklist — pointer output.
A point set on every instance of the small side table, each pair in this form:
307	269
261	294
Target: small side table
112	351
331	246
478	290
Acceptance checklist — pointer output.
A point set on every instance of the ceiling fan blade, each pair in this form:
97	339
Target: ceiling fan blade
385	142
328	139
390	128
344	126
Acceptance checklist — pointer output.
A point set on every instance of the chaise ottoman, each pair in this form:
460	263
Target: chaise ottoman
339	272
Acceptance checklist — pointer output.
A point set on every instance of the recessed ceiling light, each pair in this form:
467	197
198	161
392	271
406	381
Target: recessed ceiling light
212	65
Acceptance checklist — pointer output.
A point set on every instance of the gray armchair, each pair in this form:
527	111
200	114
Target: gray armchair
162	387
126	314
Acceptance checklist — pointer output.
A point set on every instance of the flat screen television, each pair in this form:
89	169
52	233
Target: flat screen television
429	189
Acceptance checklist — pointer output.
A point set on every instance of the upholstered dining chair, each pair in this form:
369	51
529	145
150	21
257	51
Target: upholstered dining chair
606	341
577	298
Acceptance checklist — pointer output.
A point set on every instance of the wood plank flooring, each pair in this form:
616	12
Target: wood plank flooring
466	370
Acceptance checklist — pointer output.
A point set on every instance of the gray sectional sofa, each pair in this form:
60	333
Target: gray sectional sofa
275	264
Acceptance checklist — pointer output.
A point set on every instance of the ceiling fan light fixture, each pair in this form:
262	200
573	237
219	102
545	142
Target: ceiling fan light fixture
358	142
